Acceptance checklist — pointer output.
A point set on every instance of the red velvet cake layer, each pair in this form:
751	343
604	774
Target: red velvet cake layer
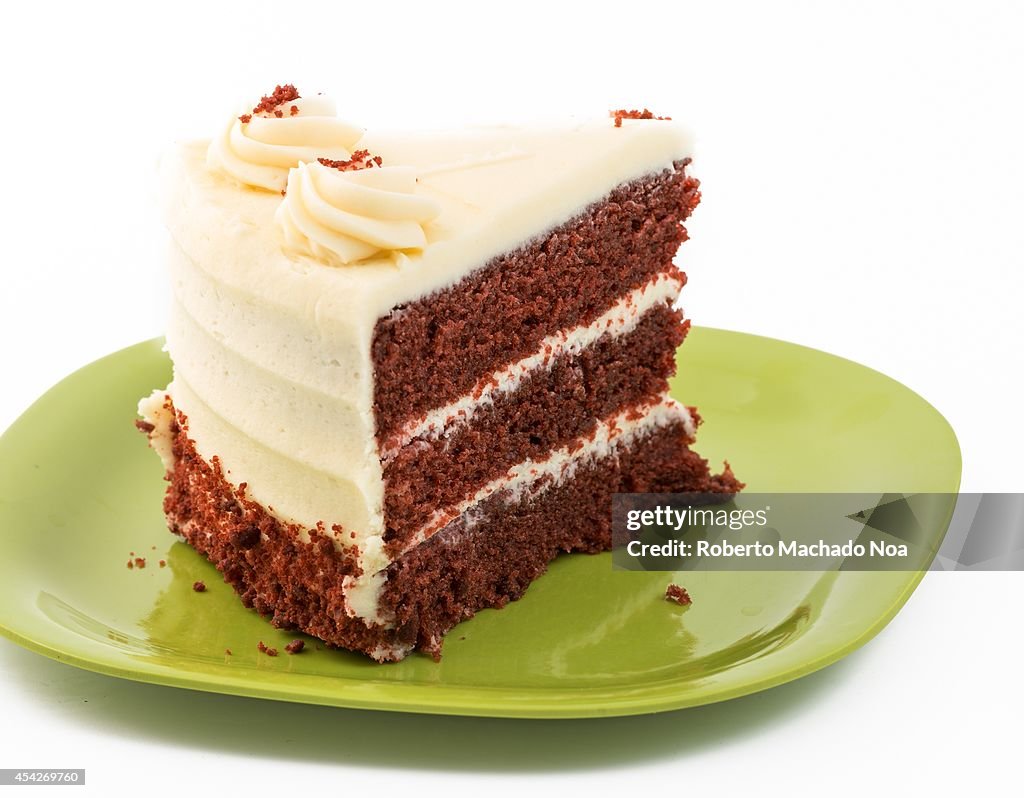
432	351
551	408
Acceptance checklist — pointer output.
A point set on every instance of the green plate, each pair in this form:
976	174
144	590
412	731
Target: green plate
81	492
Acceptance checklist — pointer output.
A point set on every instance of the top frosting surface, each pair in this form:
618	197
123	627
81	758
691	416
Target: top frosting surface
493	189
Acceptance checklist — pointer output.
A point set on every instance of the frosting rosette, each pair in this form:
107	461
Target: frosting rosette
342	213
258	148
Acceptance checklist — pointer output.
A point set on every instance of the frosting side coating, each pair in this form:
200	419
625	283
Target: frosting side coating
293	490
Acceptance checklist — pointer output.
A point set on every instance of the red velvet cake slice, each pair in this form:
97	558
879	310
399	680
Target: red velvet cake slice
410	369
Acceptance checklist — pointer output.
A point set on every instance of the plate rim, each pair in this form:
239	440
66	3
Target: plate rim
447	699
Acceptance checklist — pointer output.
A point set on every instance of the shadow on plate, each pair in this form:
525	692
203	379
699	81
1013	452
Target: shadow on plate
315	734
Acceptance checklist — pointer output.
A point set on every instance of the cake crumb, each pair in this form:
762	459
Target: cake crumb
247	537
130	564
295	646
270	103
199	586
678	594
163	563
619	114
144	426
265	649
361	159
227	651
140	562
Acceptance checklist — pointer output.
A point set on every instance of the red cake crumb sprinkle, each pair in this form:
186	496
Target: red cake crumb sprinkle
140	562
265	649
678	594
361	159
295	646
270	103
621	113
163	563
130	564
144	426
199	587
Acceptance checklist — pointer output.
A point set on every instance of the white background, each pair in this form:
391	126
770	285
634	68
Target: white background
863	194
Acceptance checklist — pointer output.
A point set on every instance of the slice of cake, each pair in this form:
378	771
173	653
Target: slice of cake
412	368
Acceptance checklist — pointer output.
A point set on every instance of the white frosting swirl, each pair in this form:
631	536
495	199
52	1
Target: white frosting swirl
261	151
342	217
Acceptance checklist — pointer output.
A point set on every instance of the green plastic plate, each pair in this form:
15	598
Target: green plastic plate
81	491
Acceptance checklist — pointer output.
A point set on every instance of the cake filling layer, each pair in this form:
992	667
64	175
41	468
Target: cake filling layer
524	479
622	318
530	476
552	406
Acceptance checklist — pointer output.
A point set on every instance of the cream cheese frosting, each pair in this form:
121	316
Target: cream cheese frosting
258	149
272	346
342	216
